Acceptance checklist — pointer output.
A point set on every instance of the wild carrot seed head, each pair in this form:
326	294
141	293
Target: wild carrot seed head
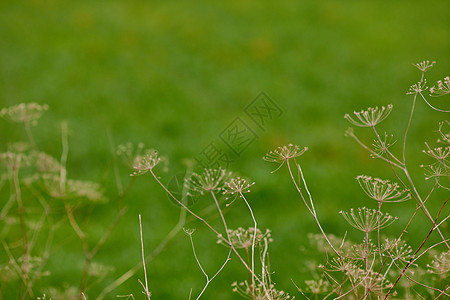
382	190
370	117
211	180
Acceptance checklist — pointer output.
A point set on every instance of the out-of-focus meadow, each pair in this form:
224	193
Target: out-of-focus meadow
174	74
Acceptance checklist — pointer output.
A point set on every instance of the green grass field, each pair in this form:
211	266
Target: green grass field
174	75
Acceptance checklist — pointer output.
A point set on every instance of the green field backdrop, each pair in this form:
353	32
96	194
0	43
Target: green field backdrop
174	75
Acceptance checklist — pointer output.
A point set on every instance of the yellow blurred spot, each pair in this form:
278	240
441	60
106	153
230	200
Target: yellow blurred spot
261	47
82	19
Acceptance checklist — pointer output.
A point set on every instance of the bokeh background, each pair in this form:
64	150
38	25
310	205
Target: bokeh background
174	74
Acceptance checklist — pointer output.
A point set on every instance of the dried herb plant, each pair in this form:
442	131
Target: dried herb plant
380	265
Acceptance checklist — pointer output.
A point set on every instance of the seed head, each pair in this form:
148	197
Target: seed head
317	287
14	160
445	136
442	88
425	65
382	190
146	163
417	87
46	163
370	117
362	251
243	238
189	231
381	146
367	220
342	264
246	290
440	264
440	153
398	250
283	154
435	171
130	154
71	189
237	186
24	112
211	180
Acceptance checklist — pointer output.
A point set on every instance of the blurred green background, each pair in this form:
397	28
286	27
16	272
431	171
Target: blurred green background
174	74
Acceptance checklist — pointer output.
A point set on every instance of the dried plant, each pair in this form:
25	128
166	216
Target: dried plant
379	264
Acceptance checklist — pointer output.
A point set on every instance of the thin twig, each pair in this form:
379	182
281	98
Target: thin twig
147	293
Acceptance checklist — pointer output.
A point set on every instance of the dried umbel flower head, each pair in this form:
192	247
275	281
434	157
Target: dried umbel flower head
24	112
146	163
367	220
441	166
382	190
259	292
445	136
33	265
237	186
381	146
368	279
189	231
318	240
440	264
8	272
425	65
398	250
341	264
60	188
317	287
100	270
46	163
370	117
243	238
14	160
129	154
417	87
84	189
211	180
435	171
20	147
283	154
442	88
440	154
362	251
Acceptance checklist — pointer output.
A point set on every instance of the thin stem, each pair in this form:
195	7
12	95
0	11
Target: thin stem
196	258
426	286
418	249
443	292
127	275
208	280
64	155
147	293
229	239
311	210
200	218
182	204
432	107
404	168
388	153
249	277
23	228
373	152
424	208
253	242
407	127
29	134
